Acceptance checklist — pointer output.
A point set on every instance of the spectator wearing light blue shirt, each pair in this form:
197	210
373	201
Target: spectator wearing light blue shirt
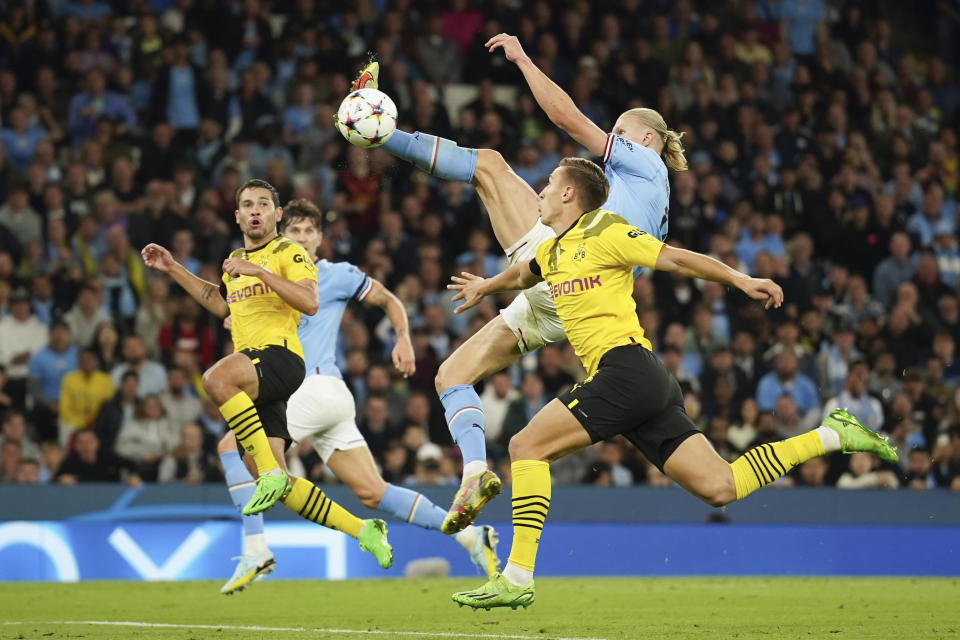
786	380
47	366
945	250
93	103
20	138
176	90
299	116
893	270
935	210
802	24
760	235
855	399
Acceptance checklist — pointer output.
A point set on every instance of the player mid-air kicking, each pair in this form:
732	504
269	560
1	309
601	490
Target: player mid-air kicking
589	268
322	411
635	155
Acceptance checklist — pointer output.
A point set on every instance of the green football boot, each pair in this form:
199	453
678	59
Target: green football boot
474	493
856	437
270	488
373	539
497	592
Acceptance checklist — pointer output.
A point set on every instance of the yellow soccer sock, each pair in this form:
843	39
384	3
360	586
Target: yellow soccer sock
310	503
244	421
531	499
762	465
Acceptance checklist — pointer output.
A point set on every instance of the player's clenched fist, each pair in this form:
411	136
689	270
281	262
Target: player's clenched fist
236	267
156	257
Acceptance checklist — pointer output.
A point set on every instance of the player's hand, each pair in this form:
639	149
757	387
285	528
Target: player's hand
156	257
510	45
228	323
766	290
235	267
403	357
470	288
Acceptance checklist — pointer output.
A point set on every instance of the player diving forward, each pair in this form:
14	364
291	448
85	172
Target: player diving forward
588	268
270	283
323	411
635	155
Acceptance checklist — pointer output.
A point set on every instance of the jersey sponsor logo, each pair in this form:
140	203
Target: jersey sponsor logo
636	233
575	285
297	257
247	292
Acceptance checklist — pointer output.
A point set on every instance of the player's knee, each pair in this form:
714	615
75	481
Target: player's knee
719	492
212	385
370	493
447	376
519	448
227	443
490	161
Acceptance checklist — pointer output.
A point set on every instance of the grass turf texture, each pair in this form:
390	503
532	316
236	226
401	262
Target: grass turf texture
654	608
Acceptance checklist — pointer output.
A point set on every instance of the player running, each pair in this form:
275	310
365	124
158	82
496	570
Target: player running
635	155
270	283
322	410
588	268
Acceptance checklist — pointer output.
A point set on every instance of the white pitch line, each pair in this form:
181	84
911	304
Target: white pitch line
232	627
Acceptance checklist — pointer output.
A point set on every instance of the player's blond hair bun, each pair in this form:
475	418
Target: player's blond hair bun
672	153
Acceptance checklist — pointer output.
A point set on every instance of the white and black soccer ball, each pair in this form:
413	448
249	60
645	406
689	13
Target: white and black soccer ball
367	118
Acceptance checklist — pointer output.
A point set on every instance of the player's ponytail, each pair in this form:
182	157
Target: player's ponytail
672	152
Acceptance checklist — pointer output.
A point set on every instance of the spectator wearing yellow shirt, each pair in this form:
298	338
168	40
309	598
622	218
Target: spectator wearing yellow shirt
82	393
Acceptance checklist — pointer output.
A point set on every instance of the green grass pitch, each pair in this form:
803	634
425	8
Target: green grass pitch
571	608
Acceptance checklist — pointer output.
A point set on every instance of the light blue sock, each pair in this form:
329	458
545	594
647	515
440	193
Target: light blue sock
435	155
241	486
410	506
464	413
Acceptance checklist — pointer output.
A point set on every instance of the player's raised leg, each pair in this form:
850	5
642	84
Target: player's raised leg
233	384
696	467
256	559
553	433
355	468
510	202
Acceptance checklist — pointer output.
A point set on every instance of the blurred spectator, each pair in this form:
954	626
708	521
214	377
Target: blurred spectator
82	393
864	474
188	462
153	377
13	428
86	314
47	368
522	410
118	410
88	462
785	379
854	398
497	396
21	335
146	438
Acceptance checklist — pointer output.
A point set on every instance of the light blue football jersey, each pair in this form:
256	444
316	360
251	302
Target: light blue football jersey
639	187
337	283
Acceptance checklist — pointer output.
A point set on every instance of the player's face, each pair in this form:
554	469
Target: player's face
304	233
633	130
256	214
553	195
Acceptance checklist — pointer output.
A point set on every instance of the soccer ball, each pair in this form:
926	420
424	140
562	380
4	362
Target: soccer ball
367	118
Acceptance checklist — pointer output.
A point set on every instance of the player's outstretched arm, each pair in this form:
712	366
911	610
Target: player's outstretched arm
554	101
472	289
206	293
697	265
300	294
403	356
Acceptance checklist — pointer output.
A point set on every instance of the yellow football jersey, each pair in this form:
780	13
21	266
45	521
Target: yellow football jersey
260	316
589	269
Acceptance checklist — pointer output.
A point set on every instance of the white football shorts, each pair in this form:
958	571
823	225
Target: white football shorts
531	316
323	411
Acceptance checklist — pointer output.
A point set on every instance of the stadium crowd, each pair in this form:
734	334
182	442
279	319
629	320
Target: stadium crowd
822	139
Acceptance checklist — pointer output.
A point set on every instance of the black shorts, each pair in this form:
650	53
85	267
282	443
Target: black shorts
280	373
632	394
